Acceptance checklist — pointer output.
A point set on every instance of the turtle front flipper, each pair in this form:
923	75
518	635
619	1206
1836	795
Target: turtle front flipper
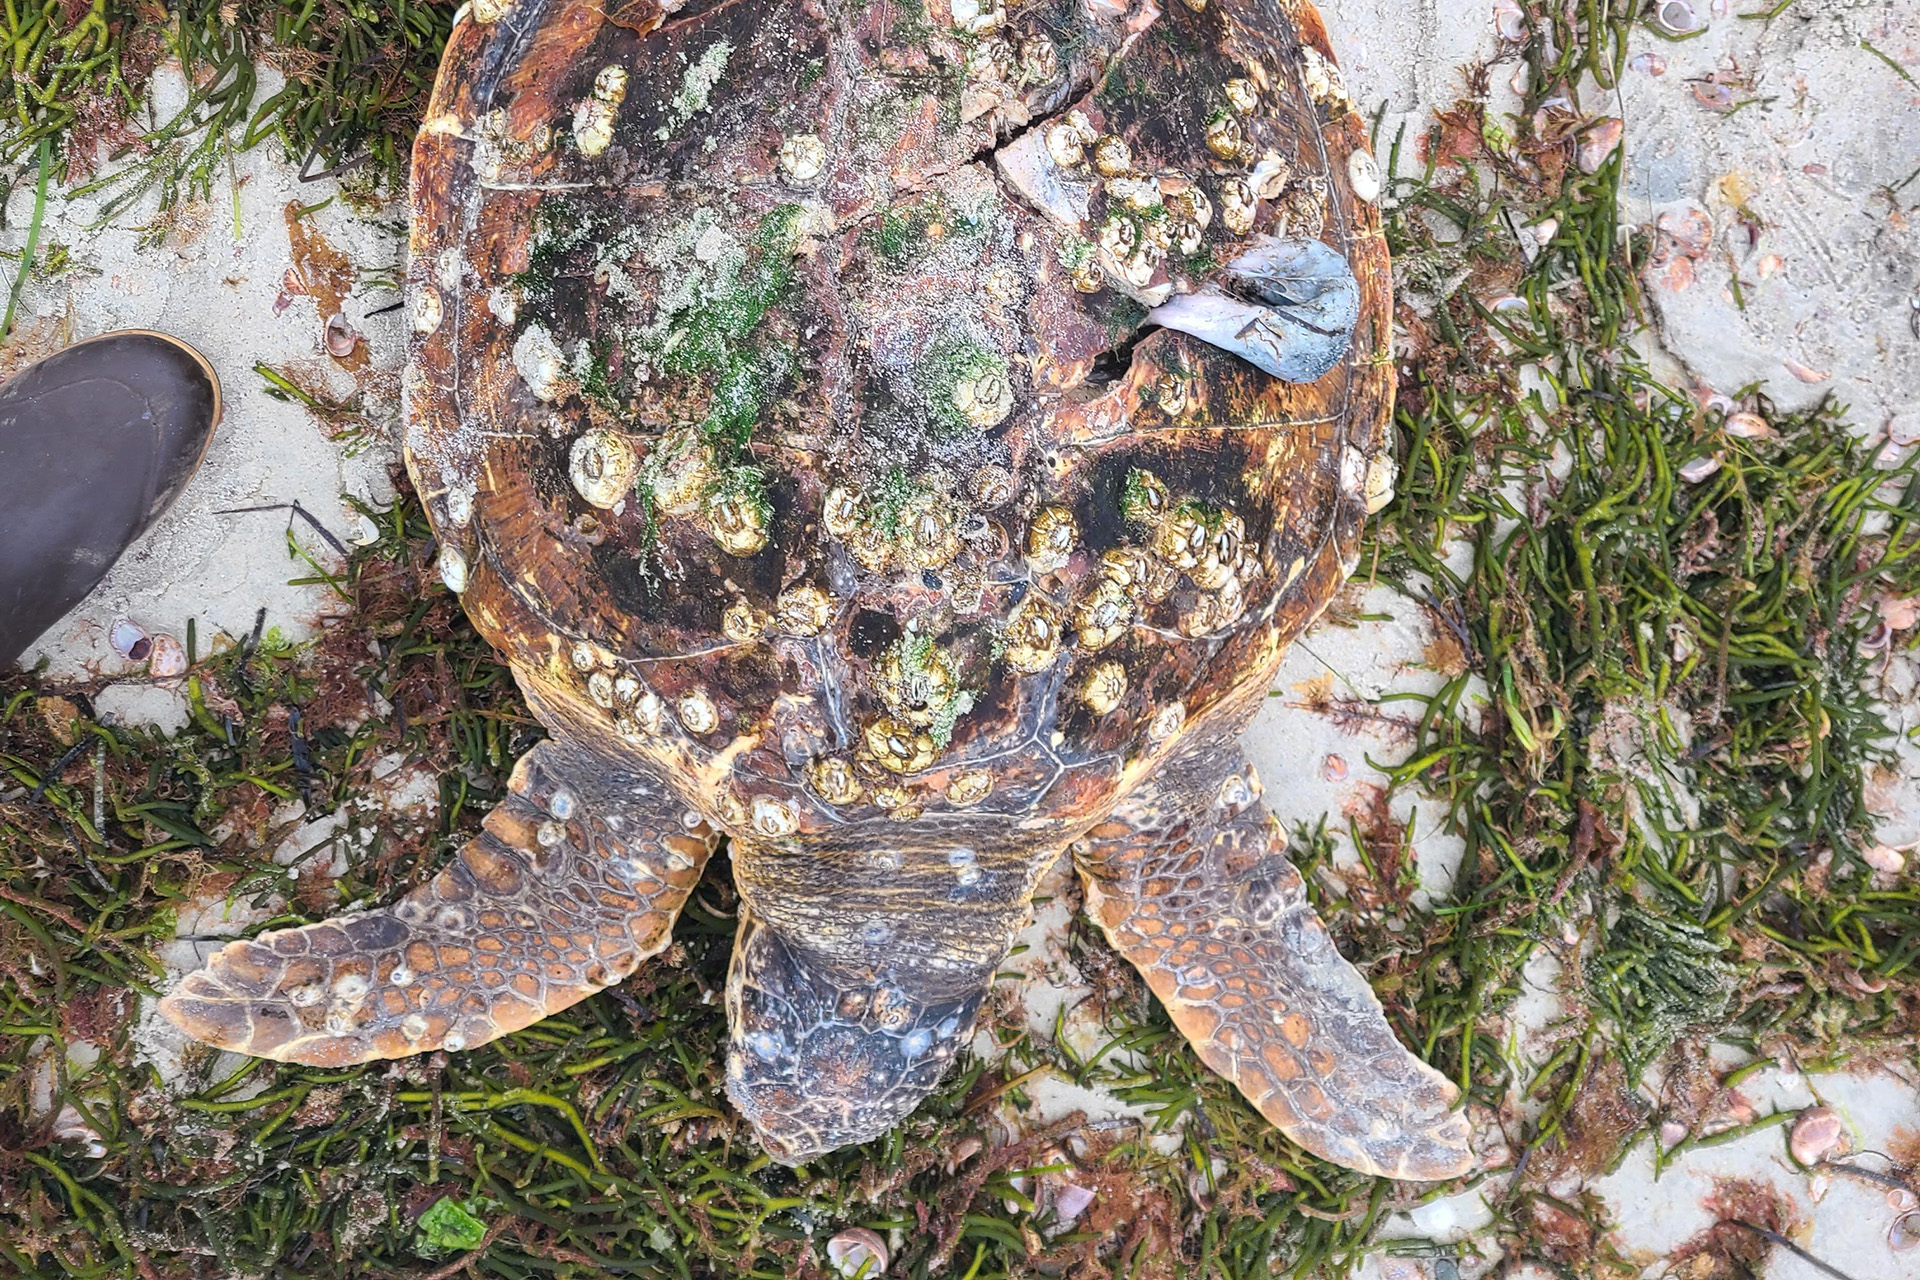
1190	882
576	878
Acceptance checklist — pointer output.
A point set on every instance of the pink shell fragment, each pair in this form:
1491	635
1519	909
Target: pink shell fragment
168	659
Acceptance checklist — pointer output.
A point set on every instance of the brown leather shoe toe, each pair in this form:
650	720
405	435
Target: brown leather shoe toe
96	441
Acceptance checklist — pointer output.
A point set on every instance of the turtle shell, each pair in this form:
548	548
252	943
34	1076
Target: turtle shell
921	410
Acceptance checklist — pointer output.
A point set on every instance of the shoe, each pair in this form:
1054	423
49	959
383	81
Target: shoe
96	442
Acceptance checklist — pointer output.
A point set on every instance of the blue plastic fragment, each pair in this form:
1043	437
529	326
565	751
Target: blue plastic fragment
1291	310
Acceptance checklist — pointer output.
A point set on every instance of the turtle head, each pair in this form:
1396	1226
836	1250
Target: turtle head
815	1063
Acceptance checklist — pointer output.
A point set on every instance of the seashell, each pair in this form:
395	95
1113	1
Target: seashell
1334	768
1700	468
1815	1135
858	1252
1651	64
1599	143
1904	1233
129	641
1363	175
1069	1202
1677	18
1509	20
1242	94
1672	1134
341	338
1749	426
167	659
1884	858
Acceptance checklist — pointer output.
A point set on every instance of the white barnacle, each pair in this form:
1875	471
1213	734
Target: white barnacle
538	361
304	996
602	465
593	126
1065	146
460	505
504	302
401	976
561	804
454	1042
584	657
916	1043
697	712
453	569
802	157
350	987
765	1045
1139	194
1112	157
1225	137
983	396
773	818
450	919
550	835
485	11
1270	177
426	308
1237	205
1167	721
600	689
414	1026
1322	78
1242	94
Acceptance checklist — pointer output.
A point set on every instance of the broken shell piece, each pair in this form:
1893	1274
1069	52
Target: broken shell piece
802	156
1699	469
129	641
1904	1233
602	465
1302	323
1599	143
167	658
1884	858
858	1252
1749	426
1816	1134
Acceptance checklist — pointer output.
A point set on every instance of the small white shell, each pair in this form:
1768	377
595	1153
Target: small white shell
773	818
453	569
858	1251
697	712
1363	174
168	658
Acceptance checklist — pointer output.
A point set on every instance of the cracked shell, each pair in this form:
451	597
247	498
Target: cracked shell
882	381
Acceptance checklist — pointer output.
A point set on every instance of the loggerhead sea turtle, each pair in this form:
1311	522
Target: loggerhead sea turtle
899	437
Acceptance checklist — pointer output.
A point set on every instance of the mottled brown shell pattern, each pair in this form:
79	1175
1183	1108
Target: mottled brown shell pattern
807	400
858	537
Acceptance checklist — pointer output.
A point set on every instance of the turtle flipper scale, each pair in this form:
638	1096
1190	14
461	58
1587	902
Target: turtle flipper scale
575	878
1191	885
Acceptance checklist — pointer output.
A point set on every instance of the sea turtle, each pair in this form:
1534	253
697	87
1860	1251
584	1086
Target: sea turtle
900	438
